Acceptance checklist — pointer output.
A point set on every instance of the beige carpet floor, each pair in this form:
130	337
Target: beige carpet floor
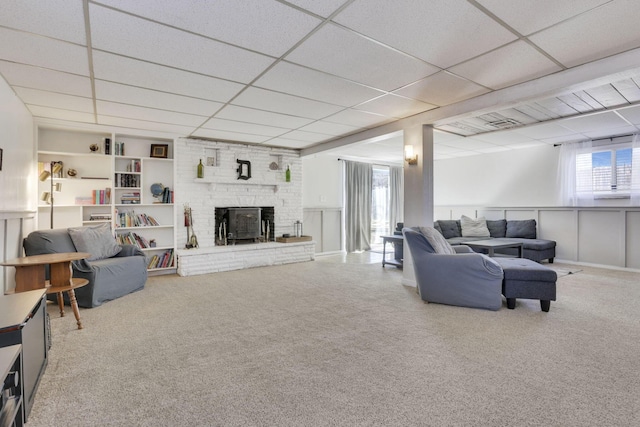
328	343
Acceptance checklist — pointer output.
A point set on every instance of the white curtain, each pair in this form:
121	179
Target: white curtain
358	189
635	171
575	174
396	197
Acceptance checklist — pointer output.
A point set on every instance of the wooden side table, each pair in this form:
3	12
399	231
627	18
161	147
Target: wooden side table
30	275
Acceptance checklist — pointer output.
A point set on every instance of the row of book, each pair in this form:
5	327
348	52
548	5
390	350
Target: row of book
166	196
164	260
119	149
131	238
106	216
127	180
98	197
132	198
131	219
134	166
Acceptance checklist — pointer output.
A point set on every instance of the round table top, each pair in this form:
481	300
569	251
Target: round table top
46	259
77	282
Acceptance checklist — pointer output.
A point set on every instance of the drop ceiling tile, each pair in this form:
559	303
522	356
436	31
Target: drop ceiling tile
632	114
300	135
144	125
288	143
469	144
628	89
518	61
346	54
230	136
160	44
253	25
442	137
607	132
445	149
503	138
442	33
124	94
44	52
285	104
563	139
243	127
250	115
527	16
49	80
441	89
54	100
576	102
328	128
323	8
151	76
57	113
458	129
544	130
296	80
494	149
556	106
395	106
38	17
594	122
356	118
611	29
607	95
106	108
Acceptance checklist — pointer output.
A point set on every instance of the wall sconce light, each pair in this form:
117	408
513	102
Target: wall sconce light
411	158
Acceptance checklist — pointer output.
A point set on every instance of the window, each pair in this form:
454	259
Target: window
604	172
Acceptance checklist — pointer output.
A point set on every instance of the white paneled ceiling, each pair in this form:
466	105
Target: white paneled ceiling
299	73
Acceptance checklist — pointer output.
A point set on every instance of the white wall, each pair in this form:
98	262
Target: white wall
523	177
17	179
322	183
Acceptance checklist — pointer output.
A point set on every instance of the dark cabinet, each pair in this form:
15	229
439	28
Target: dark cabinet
23	320
11	386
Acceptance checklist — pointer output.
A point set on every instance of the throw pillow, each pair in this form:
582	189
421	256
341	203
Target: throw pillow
497	228
474	227
523	229
449	228
437	241
96	240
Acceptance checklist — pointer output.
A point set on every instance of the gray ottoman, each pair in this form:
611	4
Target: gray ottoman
524	278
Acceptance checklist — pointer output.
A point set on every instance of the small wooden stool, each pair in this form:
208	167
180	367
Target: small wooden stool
69	289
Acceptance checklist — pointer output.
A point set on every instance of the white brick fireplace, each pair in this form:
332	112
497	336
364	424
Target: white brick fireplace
221	187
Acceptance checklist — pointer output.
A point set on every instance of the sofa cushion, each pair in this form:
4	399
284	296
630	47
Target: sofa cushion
437	241
450	228
473	227
96	240
525	229
497	227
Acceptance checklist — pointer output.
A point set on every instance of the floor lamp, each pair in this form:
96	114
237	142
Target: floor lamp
47	196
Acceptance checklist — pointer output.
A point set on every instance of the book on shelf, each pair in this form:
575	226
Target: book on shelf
102	197
132	198
134	166
164	260
119	148
127	180
131	238
105	216
131	219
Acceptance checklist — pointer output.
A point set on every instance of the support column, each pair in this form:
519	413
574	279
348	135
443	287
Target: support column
418	188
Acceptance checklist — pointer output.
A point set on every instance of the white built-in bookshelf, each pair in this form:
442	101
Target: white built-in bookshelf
112	183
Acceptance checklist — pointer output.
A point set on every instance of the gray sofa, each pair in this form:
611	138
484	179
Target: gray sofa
453	275
109	278
523	231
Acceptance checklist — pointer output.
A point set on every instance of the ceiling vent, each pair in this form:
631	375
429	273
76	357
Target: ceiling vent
505	123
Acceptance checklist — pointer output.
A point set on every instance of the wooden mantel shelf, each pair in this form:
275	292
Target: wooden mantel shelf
213	183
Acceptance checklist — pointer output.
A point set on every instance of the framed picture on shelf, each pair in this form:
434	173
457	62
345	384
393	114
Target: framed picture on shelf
159	150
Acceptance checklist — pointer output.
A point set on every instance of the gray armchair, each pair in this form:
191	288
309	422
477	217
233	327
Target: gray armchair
453	275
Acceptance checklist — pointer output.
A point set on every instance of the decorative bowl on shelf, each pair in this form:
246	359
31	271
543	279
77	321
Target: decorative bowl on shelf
71	173
94	148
